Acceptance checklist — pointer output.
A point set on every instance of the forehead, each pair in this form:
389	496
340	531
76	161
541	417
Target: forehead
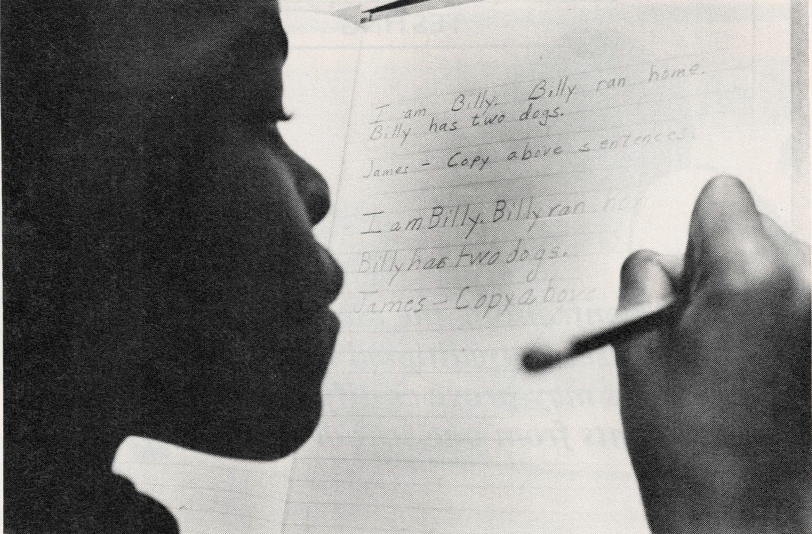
197	27
171	40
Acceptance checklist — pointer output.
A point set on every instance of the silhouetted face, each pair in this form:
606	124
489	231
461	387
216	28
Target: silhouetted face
236	289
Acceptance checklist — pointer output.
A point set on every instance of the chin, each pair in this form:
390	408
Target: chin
259	401
257	436
301	408
301	429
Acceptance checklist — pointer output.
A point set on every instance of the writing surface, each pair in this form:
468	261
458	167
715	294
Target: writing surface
496	164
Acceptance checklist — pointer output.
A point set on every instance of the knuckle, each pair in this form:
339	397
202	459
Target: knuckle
757	270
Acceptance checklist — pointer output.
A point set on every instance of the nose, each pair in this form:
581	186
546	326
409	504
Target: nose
315	194
311	186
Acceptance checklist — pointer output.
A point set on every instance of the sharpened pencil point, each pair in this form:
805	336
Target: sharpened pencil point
538	360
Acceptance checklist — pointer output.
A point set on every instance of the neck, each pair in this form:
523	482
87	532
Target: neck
57	473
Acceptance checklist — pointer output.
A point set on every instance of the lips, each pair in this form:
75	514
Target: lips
323	332
322	335
330	321
335	275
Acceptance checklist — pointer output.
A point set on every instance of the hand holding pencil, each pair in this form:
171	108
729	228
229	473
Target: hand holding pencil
715	373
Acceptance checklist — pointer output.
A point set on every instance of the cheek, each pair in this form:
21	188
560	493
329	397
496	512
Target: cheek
235	288
266	276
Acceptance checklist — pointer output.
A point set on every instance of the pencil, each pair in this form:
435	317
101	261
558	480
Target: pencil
557	349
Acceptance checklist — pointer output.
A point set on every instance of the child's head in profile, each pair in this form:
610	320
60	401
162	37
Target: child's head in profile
161	274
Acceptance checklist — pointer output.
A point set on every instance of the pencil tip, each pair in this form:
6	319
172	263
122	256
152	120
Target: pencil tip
538	360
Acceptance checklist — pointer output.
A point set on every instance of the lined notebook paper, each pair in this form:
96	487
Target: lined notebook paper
496	164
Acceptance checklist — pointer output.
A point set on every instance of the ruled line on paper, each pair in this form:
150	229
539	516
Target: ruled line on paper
215	489
575	73
524	100
194	466
471	285
512	179
354	528
203	511
564	193
457	244
536	137
423	484
422	461
497	181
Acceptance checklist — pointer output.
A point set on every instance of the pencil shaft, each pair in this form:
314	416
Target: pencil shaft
622	326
